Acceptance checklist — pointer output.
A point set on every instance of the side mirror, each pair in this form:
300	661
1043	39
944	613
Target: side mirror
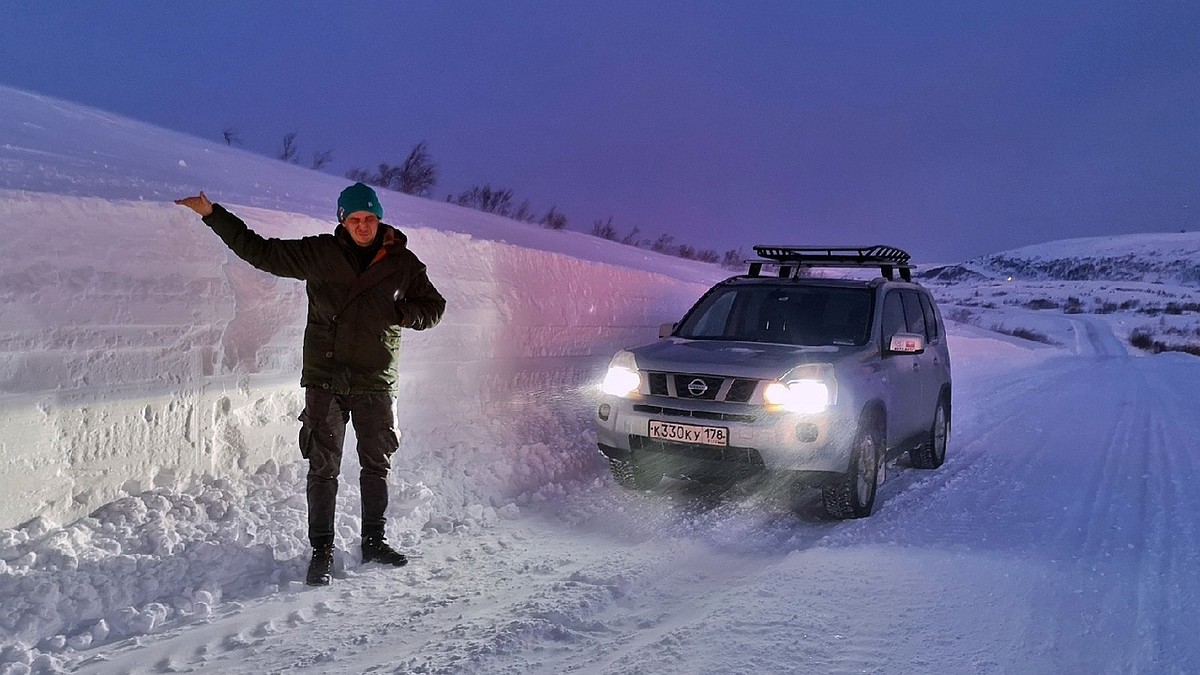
666	329
906	343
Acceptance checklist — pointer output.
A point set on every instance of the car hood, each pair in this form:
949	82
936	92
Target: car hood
734	359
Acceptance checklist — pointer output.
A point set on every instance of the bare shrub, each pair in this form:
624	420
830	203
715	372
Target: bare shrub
663	244
487	199
290	151
1025	334
418	174
554	220
604	229
524	213
320	159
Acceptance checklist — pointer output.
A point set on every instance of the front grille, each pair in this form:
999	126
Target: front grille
658	384
696	414
698	387
712	453
741	391
694	387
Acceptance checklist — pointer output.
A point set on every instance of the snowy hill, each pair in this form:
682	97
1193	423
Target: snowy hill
1153	258
1142	284
154	497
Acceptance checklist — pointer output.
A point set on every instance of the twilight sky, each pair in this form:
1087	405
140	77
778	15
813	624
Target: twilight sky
953	129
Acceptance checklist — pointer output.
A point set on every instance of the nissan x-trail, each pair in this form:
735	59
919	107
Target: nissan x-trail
787	373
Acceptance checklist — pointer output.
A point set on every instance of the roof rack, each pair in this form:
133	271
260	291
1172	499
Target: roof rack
791	259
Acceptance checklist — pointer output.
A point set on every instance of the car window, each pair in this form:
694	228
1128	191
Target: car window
893	315
794	315
914	314
931	323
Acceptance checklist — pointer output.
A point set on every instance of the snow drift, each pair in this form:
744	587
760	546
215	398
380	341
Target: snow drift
136	352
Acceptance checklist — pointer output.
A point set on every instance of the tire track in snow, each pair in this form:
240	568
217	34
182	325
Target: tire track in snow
1112	586
993	442
1080	464
1167	575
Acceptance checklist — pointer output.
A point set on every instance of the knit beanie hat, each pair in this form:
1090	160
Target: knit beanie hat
358	197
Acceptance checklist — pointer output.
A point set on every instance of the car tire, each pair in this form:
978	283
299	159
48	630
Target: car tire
931	453
853	495
631	475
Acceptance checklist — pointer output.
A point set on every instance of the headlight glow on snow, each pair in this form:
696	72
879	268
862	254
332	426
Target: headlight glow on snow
622	378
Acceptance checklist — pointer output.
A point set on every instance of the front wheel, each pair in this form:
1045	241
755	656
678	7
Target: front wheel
853	495
931	453
631	475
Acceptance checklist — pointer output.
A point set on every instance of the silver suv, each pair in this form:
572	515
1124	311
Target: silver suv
818	380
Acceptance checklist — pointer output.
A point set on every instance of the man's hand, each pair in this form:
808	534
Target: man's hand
199	204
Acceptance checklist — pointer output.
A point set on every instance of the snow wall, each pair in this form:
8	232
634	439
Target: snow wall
137	353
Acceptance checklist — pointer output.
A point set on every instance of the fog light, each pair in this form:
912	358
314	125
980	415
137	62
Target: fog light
806	432
604	411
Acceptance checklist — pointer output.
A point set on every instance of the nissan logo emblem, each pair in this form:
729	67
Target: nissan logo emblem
697	387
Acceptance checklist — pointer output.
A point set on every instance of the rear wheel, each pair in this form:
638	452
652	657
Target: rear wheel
853	495
932	452
631	475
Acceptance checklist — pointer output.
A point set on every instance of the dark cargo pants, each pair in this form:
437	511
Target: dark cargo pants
322	434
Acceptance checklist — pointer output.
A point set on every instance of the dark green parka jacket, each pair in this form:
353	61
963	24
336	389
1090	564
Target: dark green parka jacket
354	318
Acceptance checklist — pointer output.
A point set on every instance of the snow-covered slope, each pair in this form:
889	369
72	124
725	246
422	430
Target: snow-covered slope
154	497
1163	258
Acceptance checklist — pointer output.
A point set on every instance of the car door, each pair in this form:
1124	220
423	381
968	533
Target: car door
939	355
901	374
928	368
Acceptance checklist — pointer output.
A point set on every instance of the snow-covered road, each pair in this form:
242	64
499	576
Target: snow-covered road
1060	536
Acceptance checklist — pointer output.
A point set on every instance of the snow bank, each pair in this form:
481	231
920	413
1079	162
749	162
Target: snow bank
137	353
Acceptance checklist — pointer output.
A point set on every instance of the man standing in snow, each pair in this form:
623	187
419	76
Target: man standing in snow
363	286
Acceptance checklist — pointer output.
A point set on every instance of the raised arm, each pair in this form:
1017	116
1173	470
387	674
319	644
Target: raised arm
281	257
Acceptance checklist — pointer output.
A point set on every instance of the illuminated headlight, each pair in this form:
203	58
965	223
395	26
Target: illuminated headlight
801	396
806	389
622	378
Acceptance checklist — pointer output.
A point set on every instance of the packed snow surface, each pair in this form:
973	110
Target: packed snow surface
154	495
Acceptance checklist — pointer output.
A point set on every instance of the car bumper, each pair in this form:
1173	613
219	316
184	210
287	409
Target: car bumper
757	438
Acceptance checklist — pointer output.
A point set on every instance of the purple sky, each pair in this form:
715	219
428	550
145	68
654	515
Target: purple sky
953	129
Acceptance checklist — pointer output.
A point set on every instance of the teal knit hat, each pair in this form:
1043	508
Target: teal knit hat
358	197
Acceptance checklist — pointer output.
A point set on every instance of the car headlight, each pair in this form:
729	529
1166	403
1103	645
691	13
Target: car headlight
806	389
622	378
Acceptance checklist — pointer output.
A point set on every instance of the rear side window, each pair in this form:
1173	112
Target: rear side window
931	322
914	314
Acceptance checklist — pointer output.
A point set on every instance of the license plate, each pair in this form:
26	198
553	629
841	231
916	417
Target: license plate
689	433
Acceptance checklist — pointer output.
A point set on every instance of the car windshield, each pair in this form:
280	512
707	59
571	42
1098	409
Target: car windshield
790	315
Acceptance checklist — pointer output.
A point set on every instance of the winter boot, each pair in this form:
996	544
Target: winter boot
320	568
376	549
